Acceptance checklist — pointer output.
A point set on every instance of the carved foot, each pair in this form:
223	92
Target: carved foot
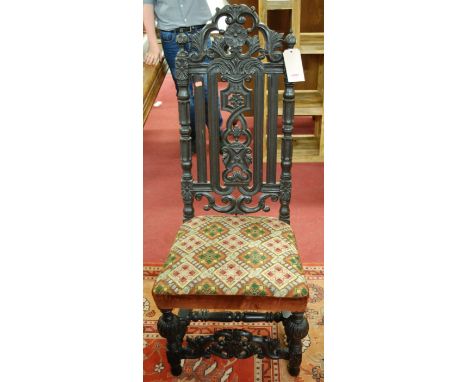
173	328
296	328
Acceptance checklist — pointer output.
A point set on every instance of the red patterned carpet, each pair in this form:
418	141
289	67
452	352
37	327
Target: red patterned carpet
163	204
232	370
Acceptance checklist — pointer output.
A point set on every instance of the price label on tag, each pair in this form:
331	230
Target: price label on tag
293	63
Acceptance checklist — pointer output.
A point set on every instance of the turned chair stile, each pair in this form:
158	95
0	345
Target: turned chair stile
233	260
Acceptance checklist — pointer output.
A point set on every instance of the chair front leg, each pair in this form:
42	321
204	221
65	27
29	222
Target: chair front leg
296	328
173	328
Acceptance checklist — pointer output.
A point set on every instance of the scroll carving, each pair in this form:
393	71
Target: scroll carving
238	57
236	343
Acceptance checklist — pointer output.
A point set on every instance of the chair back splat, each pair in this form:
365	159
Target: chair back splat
230	171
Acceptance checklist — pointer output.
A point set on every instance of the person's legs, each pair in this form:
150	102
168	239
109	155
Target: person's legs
170	47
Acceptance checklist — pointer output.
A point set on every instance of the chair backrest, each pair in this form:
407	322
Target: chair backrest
235	56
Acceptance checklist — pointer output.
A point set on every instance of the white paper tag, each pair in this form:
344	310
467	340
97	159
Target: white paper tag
293	63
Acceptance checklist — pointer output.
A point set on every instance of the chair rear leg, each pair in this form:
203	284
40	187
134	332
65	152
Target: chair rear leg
173	328
296	328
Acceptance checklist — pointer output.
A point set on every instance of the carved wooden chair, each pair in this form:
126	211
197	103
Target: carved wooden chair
234	261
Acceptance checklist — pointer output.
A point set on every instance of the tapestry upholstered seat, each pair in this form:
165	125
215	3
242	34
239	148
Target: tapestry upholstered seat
237	256
233	260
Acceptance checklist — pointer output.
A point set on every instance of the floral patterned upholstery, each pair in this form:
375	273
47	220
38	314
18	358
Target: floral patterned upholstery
234	255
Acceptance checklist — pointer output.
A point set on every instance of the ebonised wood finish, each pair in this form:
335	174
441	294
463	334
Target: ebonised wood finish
237	57
229	343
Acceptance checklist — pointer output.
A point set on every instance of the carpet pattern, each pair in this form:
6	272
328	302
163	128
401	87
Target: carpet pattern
252	369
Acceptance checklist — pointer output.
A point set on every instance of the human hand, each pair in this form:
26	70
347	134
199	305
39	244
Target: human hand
153	55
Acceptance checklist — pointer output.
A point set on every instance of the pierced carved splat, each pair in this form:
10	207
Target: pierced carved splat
237	57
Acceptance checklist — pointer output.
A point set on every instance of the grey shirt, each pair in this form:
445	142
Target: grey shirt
172	14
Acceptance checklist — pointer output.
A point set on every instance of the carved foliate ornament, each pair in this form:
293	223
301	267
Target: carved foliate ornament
237	57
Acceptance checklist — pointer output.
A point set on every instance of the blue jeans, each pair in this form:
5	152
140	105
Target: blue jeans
170	47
